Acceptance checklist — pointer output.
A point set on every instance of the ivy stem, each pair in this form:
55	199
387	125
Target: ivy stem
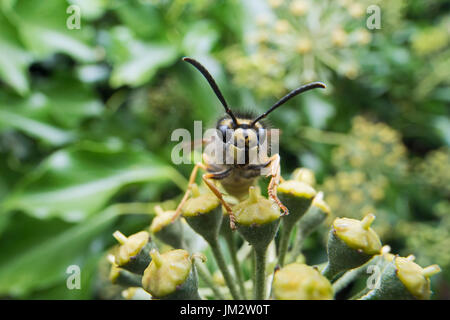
204	273
233	253
260	273
214	243
284	243
297	248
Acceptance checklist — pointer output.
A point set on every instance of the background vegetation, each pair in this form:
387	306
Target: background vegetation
86	117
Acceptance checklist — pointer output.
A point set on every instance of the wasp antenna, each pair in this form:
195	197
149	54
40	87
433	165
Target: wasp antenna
213	85
290	95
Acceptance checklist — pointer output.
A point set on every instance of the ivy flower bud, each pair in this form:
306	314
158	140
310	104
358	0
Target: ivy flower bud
171	276
275	3
403	279
297	196
339	37
298	7
123	277
317	213
304	175
135	293
304	46
176	233
282	26
133	252
203	213
257	219
298	281
351	243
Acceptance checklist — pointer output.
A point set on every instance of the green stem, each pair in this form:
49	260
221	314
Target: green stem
351	275
284	243
204	273
297	248
214	243
233	253
260	273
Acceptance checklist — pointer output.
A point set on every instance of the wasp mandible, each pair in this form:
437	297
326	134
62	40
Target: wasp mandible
239	134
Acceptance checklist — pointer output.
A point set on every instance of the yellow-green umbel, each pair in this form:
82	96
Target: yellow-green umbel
298	281
171	276
203	213
403	279
176	233
351	243
257	220
133	252
297	196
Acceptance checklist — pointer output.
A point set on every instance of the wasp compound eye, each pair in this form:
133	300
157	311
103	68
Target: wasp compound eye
225	133
261	135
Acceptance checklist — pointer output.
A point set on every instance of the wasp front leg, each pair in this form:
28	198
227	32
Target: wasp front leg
213	188
275	173
189	188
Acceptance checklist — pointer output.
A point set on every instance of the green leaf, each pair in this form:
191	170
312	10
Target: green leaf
143	18
76	182
44	263
52	111
43	29
19	119
200	39
14	59
69	101
136	62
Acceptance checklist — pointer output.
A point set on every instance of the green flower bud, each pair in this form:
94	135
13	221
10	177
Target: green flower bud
176	233
133	252
317	213
203	213
135	293
297	196
298	281
403	279
257	219
171	276
351	243
304	175
124	278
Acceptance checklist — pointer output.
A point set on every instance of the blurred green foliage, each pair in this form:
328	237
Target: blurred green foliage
86	117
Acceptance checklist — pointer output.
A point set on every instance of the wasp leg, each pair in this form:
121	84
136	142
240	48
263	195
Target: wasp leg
188	191
274	181
218	194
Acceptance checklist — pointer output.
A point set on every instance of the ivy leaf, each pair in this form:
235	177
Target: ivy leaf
136	62
77	182
14	59
44	262
43	28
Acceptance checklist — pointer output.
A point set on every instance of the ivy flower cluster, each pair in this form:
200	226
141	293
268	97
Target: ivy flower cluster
162	262
299	41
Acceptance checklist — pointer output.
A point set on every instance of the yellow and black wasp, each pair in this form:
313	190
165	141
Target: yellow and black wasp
241	136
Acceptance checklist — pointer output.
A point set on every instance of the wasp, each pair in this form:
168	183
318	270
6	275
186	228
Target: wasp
240	136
